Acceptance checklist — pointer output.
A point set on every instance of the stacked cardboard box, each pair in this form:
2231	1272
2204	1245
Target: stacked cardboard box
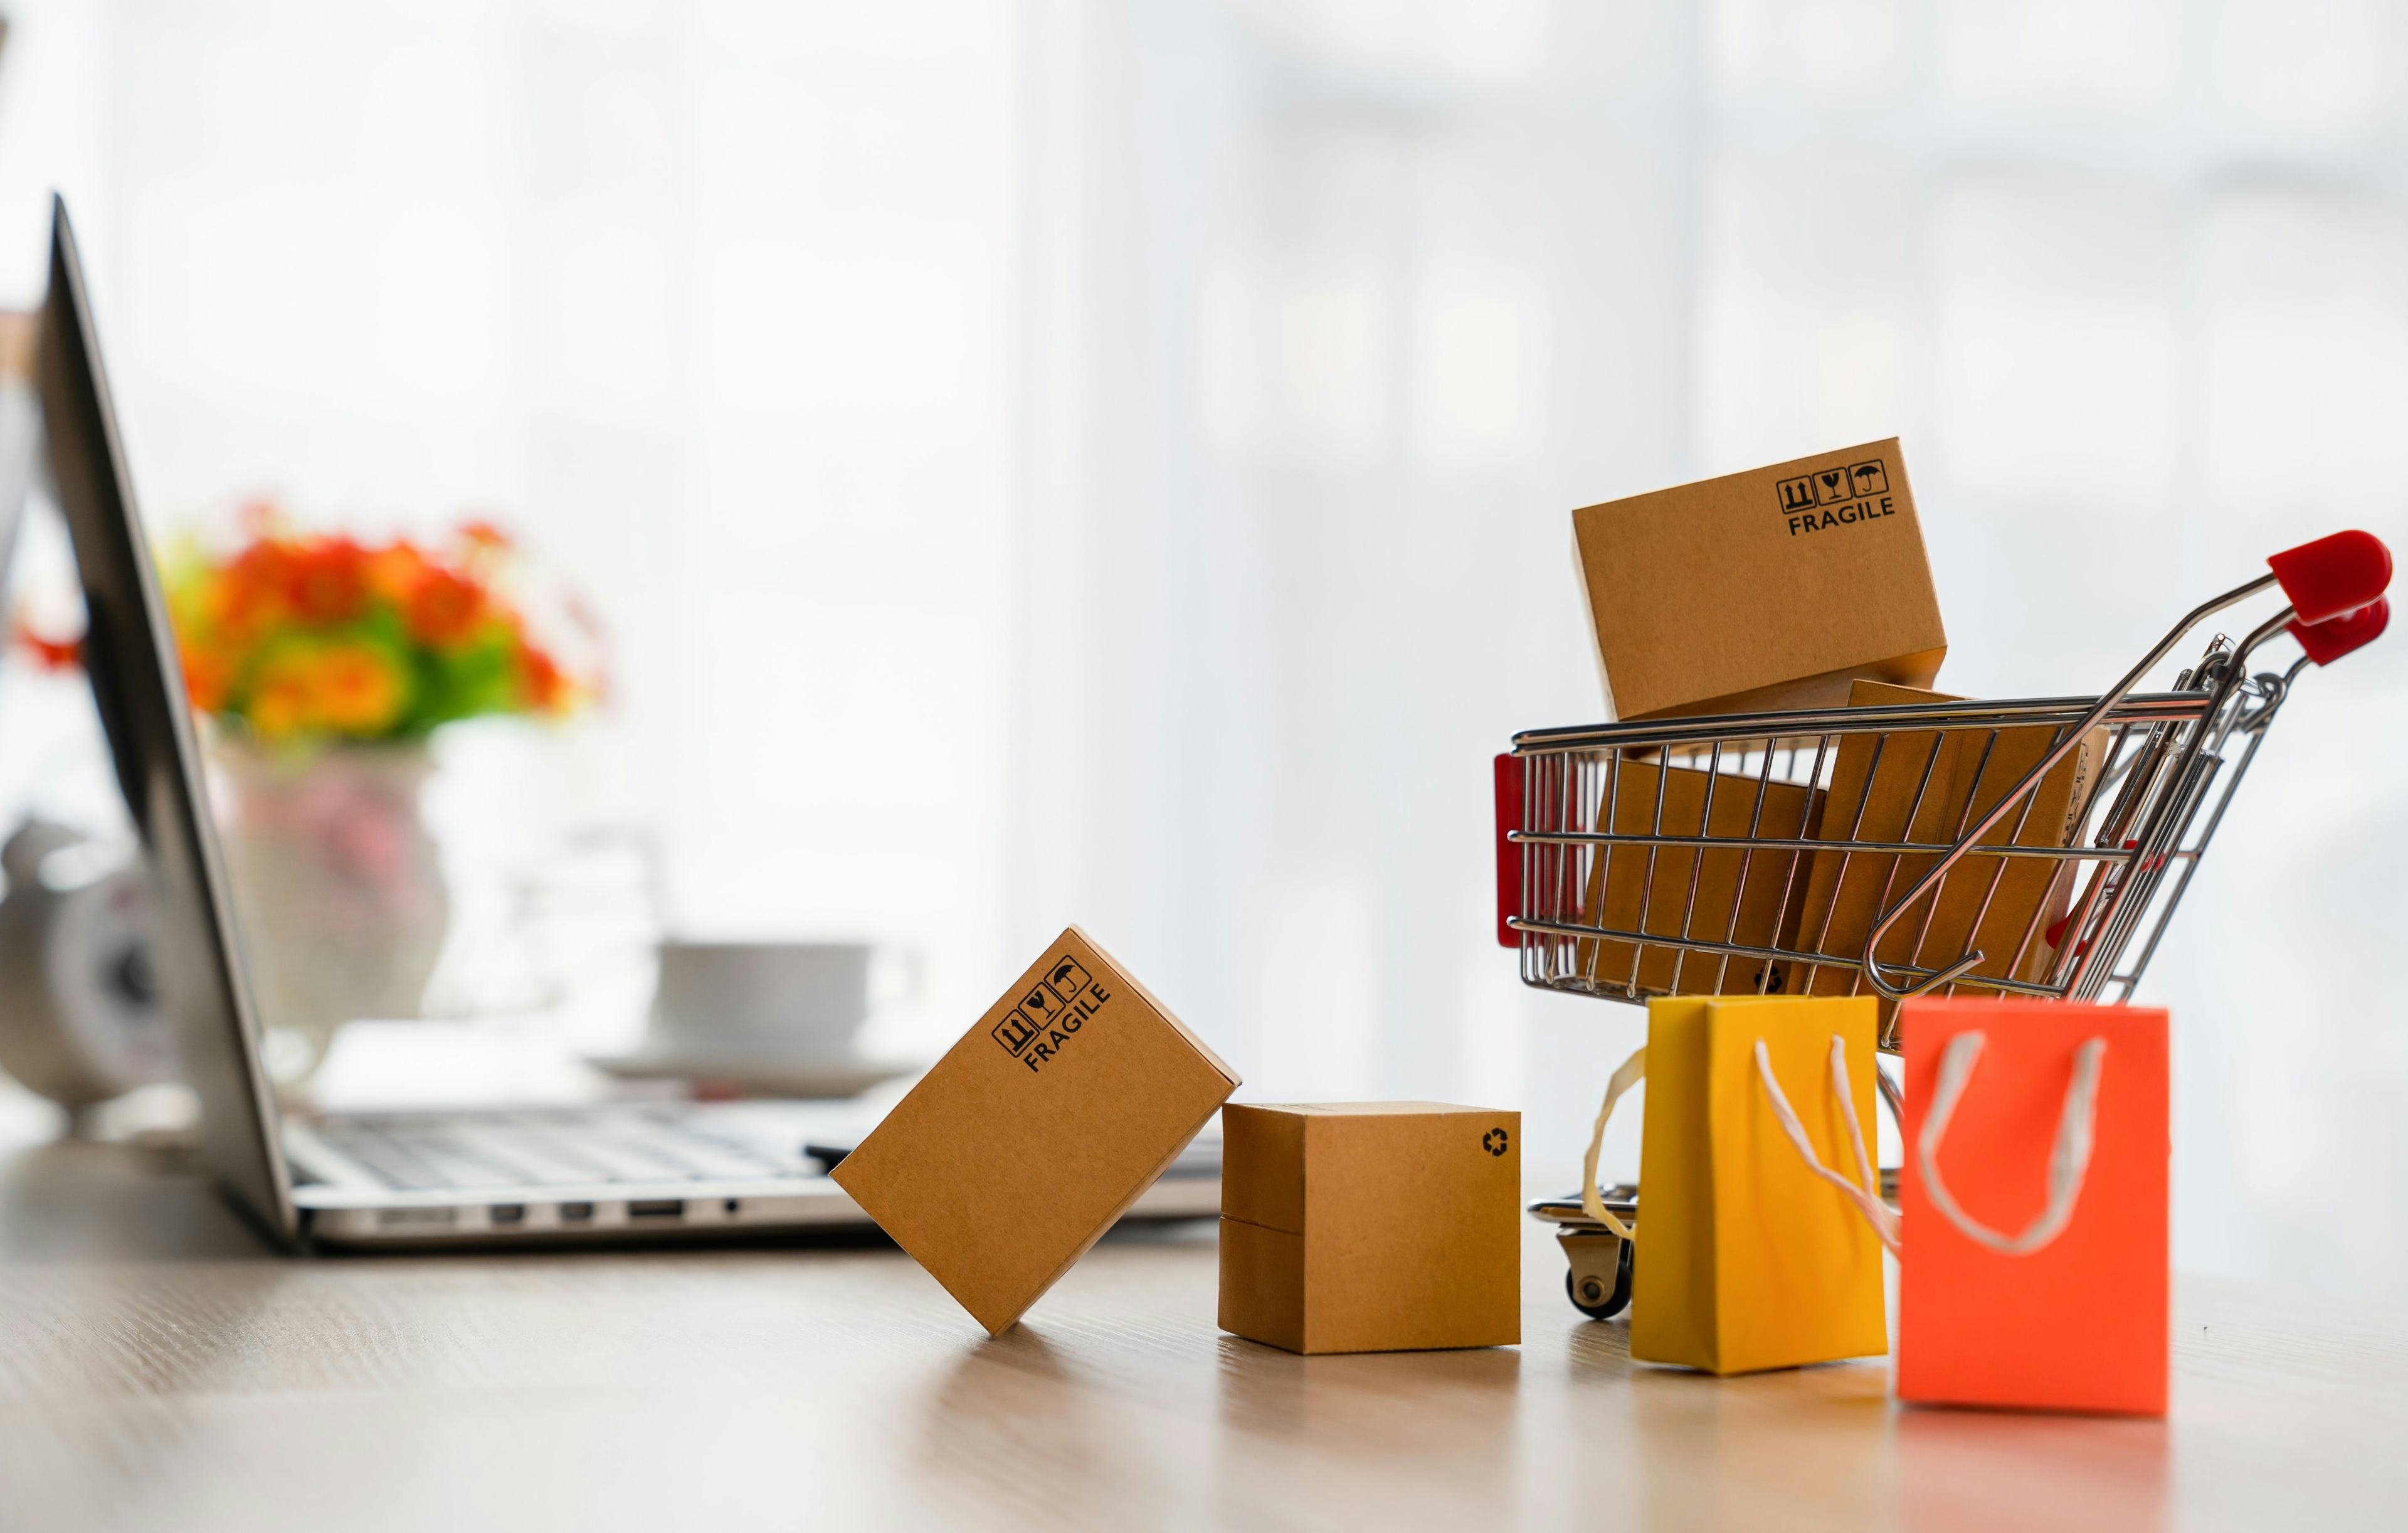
1802	585
1771	589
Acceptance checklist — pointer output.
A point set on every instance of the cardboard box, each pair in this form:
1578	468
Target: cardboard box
1037	1130
1372	1226
1740	892
1771	589
1874	799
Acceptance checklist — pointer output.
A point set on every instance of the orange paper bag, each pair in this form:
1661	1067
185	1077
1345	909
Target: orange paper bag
2033	1206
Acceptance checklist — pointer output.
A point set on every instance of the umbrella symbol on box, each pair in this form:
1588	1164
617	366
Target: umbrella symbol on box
1067	978
1868	478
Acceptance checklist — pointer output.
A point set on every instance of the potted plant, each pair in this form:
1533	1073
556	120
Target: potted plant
323	664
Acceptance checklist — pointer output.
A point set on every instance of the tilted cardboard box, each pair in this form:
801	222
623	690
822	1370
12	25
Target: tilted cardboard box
1372	1226
1929	777
1037	1130
1770	589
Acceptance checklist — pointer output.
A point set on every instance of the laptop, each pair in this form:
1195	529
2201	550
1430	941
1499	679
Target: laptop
561	1175
20	430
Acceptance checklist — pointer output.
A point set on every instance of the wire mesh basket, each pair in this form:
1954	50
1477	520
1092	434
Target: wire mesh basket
2034	847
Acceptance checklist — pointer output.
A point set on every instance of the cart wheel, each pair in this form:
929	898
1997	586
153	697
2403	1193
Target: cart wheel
1590	1295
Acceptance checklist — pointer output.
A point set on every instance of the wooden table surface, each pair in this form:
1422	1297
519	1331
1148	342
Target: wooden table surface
160	1368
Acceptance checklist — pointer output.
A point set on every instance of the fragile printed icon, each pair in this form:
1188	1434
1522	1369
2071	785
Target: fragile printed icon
1831	485
1868	478
1066	979
1041	1003
1015	1031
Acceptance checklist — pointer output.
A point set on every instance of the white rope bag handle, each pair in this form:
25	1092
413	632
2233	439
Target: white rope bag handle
2068	1163
1591	1204
1867	1198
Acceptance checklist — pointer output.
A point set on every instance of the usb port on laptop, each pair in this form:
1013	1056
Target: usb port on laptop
656	1208
503	1215
575	1214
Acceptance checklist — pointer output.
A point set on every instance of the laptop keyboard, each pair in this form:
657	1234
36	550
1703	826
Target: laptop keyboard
525	1150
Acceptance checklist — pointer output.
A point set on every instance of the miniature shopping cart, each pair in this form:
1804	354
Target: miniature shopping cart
2031	847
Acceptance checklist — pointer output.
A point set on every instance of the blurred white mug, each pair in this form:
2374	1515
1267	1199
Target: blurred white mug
769	1000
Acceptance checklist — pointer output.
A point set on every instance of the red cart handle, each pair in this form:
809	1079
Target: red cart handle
2333	575
2335	587
2329	640
1508	852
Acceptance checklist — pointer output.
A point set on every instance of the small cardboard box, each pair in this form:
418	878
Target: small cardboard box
2014	899
1372	1226
1037	1130
1770	589
1738	892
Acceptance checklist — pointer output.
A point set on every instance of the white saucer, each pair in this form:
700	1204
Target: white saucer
825	1075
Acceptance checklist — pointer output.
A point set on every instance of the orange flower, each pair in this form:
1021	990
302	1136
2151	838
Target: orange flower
251	591
208	681
324	636
346	688
541	681
356	688
444	609
396	570
281	698
328	581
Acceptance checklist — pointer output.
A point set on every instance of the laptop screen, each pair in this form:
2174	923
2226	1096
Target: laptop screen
137	685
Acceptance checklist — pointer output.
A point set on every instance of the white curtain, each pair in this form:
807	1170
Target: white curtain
1110	462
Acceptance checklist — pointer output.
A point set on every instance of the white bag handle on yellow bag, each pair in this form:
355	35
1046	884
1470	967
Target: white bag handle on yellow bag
1591	1204
1868	1197
2068	1163
1867	1200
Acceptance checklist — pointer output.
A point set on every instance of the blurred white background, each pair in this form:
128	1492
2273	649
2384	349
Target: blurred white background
1110	462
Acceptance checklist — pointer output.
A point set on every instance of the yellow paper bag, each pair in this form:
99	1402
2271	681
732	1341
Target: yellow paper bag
1746	1258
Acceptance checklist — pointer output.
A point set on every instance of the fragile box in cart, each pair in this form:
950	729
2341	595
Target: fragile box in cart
1770	589
1037	1130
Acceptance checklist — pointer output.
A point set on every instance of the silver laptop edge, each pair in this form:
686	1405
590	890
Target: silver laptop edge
340	1199
131	661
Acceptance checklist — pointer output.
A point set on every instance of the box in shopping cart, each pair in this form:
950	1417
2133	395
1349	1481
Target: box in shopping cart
1772	588
1735	894
1926	787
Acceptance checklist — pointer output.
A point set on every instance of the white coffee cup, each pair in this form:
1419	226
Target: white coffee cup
769	1000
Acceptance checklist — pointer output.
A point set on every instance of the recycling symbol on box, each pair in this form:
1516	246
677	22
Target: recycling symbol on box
1493	1141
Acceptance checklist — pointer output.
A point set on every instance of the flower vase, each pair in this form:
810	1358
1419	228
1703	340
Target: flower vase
338	889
